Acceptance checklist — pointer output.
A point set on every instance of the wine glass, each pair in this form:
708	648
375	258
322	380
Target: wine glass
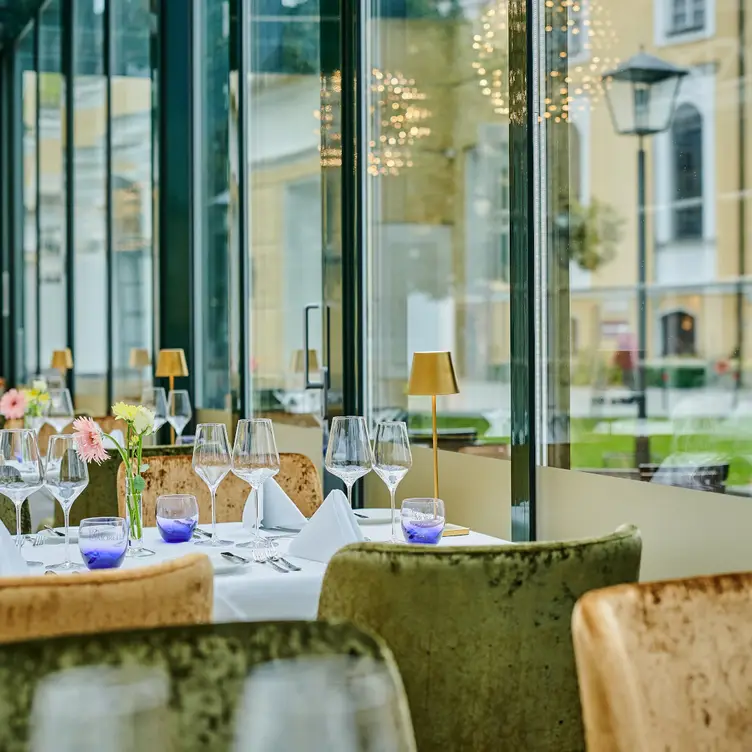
155	399
333	704
255	459
391	460
348	455
65	477
21	471
102	709
60	410
212	462
178	410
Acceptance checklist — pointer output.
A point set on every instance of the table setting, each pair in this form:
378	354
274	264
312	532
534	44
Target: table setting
268	565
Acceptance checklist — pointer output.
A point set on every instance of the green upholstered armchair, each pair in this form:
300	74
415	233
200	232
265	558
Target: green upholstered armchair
208	665
481	635
100	497
8	516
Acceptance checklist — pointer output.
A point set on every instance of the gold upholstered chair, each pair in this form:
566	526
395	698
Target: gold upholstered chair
175	475
172	593
665	665
481	634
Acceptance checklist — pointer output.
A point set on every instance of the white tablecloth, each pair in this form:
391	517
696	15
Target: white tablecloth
255	592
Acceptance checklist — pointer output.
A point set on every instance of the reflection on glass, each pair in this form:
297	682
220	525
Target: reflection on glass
131	126
90	206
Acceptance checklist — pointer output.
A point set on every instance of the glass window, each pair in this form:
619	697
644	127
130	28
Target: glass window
687	15
90	206
53	334
437	212
26	54
686	133
132	184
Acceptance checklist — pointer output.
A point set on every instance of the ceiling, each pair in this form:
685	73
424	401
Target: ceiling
14	15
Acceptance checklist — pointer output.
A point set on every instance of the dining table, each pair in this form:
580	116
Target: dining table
252	591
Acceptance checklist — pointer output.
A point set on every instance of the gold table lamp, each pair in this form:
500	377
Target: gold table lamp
140	358
432	373
298	361
171	363
62	360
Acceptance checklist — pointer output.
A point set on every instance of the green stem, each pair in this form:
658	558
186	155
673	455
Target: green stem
131	497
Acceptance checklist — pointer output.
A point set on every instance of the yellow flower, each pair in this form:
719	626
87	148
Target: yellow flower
124	411
44	397
144	420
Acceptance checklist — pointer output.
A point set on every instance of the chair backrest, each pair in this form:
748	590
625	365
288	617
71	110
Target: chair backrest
100	499
8	516
664	665
174	474
207	665
174	592
481	635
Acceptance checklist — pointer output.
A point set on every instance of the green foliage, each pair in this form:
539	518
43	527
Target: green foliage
594	233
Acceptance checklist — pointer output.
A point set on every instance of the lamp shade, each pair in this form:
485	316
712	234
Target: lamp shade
432	373
140	357
171	363
298	362
62	360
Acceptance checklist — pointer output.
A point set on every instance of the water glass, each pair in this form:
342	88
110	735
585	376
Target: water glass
179	410
60	409
103	541
65	477
348	454
177	517
392	459
102	709
255	459
154	398
335	704
211	462
21	471
423	520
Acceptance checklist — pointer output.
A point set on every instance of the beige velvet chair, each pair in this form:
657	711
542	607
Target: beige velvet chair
175	475
481	635
665	666
175	592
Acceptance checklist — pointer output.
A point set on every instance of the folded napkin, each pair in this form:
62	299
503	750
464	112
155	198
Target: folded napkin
331	527
277	509
12	564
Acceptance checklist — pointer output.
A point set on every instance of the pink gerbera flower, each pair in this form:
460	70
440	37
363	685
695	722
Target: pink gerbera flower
88	438
13	405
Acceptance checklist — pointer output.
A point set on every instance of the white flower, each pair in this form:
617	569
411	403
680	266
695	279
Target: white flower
39	385
143	421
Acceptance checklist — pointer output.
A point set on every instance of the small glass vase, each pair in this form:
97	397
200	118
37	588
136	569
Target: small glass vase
34	422
134	515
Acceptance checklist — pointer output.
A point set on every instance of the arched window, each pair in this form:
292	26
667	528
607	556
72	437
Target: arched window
678	334
686	140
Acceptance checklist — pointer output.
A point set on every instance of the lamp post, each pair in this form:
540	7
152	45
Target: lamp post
641	96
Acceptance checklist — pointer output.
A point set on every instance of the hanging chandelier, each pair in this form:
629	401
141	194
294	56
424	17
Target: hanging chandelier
578	43
398	120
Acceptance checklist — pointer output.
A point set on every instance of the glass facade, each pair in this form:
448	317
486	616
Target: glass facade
364	186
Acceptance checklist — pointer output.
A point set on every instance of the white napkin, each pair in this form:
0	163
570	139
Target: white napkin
331	527
277	509
12	564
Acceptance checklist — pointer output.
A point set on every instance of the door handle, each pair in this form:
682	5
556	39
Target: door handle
324	383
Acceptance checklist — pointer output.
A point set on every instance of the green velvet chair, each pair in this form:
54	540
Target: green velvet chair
207	664
100	497
8	516
481	635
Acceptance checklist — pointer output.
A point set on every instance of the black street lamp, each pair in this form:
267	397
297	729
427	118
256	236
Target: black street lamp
641	96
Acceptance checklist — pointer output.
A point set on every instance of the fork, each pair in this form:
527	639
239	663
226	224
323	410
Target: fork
263	557
38	540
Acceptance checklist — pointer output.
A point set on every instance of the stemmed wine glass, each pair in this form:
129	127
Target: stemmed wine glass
392	460
60	411
348	455
255	459
21	471
212	462
155	399
65	476
178	410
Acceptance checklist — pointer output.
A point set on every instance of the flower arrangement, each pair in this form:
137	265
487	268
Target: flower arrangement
26	403
89	438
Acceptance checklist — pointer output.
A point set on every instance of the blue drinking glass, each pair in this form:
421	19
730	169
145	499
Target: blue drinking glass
422	520
177	517
103	542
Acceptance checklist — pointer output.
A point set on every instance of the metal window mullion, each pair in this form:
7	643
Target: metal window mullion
68	8
109	259
38	193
